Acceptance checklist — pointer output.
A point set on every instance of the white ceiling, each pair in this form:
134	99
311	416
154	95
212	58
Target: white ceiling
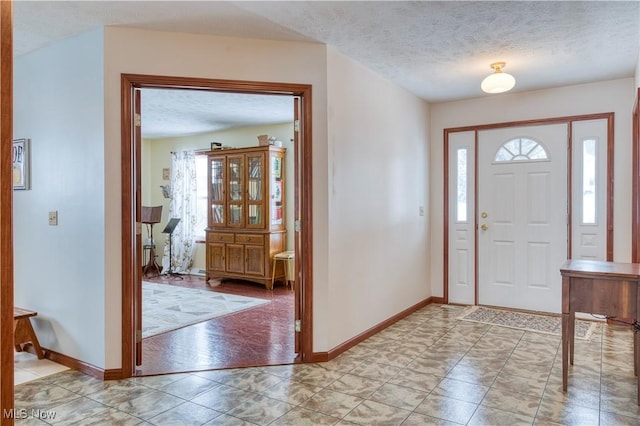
438	50
167	113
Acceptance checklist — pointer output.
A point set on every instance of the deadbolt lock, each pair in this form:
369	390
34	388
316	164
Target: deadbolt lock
484	215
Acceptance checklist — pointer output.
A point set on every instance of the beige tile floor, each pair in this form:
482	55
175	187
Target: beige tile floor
27	367
428	369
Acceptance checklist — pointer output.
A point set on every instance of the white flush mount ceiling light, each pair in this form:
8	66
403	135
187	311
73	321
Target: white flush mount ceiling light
499	81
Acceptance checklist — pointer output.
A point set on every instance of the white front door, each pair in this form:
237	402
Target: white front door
522	216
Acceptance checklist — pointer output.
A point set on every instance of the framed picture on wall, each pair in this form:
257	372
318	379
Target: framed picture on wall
21	164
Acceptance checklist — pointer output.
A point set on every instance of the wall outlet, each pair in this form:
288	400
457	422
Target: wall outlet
53	218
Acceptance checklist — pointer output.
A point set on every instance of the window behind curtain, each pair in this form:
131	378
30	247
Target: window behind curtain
202	200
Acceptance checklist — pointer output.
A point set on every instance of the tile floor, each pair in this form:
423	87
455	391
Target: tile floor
27	367
427	369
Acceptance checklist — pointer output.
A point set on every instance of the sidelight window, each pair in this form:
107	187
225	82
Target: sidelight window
589	167
461	185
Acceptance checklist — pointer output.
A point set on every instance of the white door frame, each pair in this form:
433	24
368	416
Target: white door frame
569	120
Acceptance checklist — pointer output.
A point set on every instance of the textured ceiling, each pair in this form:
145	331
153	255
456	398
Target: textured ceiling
438	50
186	112
442	50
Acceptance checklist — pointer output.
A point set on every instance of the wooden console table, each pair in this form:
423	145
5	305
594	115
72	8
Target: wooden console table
604	288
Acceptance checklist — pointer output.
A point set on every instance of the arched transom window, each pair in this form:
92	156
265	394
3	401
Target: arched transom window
521	149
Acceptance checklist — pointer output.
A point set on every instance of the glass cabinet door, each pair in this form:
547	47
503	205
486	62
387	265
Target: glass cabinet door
235	190
216	195
277	195
255	190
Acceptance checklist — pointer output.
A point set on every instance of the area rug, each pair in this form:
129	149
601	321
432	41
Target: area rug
548	324
167	307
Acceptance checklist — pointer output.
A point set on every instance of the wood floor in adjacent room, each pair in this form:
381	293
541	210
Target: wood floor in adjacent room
259	336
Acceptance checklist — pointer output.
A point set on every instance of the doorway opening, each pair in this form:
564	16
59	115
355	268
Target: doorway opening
300	183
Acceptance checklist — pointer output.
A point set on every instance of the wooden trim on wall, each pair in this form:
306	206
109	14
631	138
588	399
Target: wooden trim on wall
609	116
635	182
306	218
6	213
129	258
610	197
533	122
445	251
569	187
76	364
304	91
345	346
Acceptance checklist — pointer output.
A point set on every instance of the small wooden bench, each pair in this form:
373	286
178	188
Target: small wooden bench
23	330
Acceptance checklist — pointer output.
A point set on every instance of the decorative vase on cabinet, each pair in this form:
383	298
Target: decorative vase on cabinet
246	221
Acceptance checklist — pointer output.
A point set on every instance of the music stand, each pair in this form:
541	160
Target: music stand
171	226
151	216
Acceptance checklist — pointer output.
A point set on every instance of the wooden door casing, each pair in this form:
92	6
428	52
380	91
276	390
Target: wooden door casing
635	182
305	195
137	135
6	213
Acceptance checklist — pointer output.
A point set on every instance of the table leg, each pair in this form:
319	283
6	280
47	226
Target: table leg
636	362
565	347
635	354
273	272
287	273
572	335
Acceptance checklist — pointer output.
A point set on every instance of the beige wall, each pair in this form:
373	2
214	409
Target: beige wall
378	180
60	270
156	156
610	96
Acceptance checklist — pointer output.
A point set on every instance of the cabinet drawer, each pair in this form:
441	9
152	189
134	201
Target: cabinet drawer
250	238
213	237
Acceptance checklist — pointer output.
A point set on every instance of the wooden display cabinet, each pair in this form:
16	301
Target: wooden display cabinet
246	220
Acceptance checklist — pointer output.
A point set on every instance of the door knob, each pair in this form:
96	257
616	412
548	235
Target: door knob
484	226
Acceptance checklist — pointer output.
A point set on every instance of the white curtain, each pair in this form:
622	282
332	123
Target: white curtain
183	205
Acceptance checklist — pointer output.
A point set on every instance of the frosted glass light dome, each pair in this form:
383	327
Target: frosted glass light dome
499	81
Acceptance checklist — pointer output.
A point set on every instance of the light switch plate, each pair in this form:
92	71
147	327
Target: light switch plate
53	218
